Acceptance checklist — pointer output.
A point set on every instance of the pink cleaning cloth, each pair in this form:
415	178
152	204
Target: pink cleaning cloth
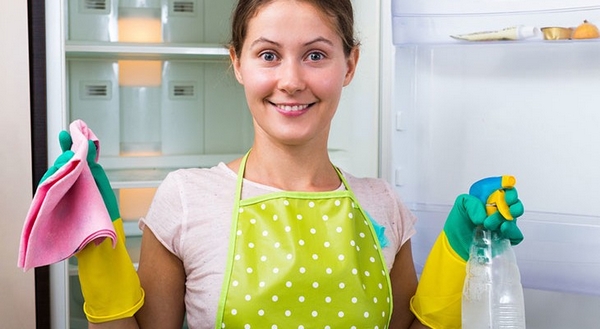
67	211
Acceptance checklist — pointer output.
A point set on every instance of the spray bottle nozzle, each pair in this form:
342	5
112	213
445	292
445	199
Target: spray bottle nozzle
490	191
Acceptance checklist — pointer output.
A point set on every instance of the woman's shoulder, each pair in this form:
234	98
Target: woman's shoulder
201	176
370	185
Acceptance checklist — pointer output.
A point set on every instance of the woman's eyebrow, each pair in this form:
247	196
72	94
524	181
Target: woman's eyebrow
316	40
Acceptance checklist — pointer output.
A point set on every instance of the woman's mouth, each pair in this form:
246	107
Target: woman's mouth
291	108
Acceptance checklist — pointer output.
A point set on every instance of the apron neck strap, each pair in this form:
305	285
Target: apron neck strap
242	170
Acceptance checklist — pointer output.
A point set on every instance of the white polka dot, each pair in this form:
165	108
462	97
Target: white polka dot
313	231
239	232
234	311
289	256
247	326
325	217
354	300
327	244
375	300
286	202
302	270
328	270
341	257
275	298
275	270
341	314
261	312
253	221
301	299
277	245
288	313
274	326
263	206
288	284
262	284
315	256
249	270
314	314
241	210
367	273
339	229
250	245
235	283
299	217
361	234
350	215
275	218
265	233
372	259
354	271
327	299
287	229
263	258
342	285
311	204
366	314
301	242
315	285
237	257
247	297
300	327
352	243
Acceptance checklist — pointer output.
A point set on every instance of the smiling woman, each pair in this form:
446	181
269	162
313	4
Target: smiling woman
280	237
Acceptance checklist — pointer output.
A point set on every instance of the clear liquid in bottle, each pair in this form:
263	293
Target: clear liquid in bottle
492	294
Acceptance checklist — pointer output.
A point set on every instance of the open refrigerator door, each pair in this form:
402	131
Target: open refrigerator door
461	110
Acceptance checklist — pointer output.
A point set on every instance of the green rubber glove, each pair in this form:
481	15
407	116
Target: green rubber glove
65	141
109	282
437	302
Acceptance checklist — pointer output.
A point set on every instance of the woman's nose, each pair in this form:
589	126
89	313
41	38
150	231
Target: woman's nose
291	79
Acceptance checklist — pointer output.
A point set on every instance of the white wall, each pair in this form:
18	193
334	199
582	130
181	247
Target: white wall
17	305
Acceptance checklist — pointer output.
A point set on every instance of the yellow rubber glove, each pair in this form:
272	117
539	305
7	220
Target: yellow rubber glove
437	301
109	282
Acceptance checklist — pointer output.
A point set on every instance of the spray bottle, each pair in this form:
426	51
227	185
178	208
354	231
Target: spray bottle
492	293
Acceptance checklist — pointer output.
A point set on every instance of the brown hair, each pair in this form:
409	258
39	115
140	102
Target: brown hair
340	10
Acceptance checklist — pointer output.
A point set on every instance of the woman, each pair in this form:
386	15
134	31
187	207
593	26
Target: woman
280	238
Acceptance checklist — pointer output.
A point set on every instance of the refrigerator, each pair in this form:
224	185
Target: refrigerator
428	113
455	111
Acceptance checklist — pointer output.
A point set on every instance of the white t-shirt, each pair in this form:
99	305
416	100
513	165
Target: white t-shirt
191	216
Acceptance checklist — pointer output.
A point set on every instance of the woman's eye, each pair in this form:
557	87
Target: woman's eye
315	56
269	57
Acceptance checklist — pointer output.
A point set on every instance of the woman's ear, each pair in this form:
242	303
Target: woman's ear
351	63
235	63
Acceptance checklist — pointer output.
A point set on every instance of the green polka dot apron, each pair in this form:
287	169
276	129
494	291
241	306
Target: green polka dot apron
303	260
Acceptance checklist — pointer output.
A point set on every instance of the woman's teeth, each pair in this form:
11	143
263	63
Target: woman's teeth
292	108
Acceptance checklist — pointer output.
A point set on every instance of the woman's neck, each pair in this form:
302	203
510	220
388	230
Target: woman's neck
290	169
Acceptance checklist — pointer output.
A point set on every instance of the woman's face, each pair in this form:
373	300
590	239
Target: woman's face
293	68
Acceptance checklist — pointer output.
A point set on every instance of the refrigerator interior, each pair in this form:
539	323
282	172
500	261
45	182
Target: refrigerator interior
462	111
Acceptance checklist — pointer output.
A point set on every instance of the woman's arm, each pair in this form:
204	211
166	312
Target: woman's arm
163	278
404	285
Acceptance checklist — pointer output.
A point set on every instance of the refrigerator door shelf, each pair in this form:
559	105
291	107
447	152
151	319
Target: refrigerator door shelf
435	21
560	252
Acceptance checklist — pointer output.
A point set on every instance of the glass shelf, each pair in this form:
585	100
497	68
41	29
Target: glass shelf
116	50
434	21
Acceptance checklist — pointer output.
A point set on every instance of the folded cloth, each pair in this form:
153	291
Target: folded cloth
67	211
